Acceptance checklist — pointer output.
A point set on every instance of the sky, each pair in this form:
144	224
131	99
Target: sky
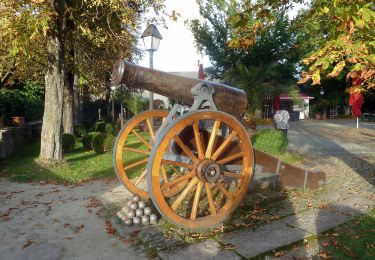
177	50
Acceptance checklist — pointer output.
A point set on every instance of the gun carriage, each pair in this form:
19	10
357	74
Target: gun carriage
197	159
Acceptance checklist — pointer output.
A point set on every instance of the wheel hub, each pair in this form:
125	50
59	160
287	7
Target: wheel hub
208	171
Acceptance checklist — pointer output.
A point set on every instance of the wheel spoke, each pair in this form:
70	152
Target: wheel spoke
223	146
183	194
152	135
197	196
186	149
210	199
164	174
140	177
136	150
230	158
135	164
141	139
176	181
212	139
180	164
198	141
233	175
226	193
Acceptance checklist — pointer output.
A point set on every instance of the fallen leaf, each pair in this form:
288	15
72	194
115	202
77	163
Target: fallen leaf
325	244
228	246
94	203
279	254
28	243
109	228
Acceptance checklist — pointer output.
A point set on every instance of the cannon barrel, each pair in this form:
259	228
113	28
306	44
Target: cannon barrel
226	98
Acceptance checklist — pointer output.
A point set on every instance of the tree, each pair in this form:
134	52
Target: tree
29	27
339	32
265	68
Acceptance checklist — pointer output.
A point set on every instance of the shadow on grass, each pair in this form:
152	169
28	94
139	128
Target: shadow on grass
78	166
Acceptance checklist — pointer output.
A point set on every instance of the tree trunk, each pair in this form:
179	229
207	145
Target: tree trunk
68	114
77	109
51	145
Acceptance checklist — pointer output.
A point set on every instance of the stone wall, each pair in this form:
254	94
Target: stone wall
13	139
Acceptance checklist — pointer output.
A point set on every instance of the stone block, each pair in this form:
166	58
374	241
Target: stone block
249	243
208	249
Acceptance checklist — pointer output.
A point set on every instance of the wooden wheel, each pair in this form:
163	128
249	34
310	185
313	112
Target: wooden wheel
215	157
132	150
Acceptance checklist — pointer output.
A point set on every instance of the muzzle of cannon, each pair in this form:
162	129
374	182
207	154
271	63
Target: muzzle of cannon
194	162
179	88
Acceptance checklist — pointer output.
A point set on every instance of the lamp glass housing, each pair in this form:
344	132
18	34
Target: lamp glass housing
151	43
321	91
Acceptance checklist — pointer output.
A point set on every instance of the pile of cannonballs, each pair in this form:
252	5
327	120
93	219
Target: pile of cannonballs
136	212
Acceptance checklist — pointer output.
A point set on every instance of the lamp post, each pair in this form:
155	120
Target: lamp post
113	88
151	38
321	92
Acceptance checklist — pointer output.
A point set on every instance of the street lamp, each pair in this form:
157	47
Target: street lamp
113	88
151	38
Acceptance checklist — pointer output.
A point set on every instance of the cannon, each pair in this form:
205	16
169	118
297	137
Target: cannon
195	162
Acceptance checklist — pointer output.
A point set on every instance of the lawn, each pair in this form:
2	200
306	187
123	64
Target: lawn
79	165
352	240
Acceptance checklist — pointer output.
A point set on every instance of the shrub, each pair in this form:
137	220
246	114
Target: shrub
87	140
80	130
109	142
98	127
110	129
270	141
98	142
68	142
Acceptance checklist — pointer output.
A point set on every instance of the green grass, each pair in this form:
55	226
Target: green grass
270	141
79	165
291	158
352	240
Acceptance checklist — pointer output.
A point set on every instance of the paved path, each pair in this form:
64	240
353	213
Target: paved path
46	221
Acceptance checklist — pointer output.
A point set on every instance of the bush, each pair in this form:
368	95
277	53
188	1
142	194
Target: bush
98	142
87	140
109	142
68	142
270	141
80	131
98	127
110	129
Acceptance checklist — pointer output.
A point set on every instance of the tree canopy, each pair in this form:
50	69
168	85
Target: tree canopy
339	34
263	69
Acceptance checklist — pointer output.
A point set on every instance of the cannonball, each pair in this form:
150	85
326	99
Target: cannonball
139	212
136	198
129	203
147	210
134	205
153	218
145	220
137	220
129	222
141	204
131	214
